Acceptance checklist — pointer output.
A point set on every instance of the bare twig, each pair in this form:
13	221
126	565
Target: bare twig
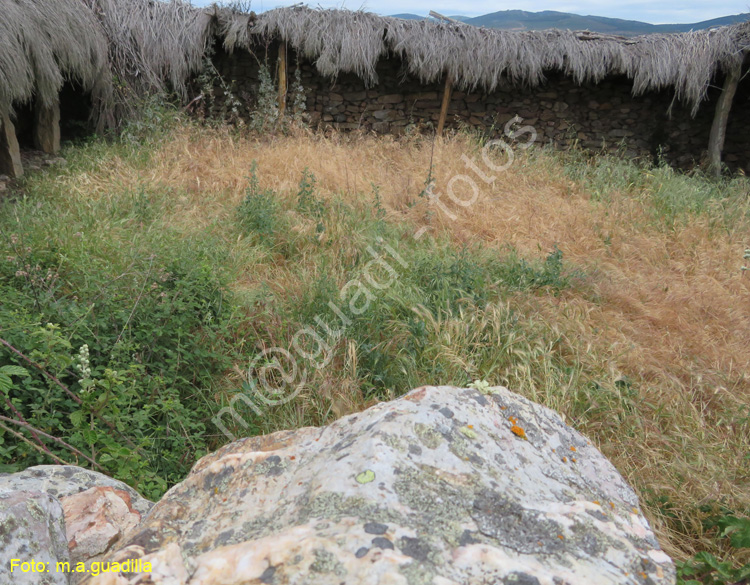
68	446
45	451
22	419
137	301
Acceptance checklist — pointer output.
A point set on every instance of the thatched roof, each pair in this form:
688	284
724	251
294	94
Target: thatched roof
153	45
481	58
116	49
123	49
44	43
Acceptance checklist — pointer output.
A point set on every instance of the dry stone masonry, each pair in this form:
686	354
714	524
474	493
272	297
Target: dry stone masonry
594	116
446	486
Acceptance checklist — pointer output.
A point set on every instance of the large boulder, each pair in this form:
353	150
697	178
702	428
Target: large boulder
445	486
88	510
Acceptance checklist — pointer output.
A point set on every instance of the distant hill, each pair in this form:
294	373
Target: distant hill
522	20
409	16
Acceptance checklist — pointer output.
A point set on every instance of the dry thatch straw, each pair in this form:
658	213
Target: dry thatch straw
336	40
44	43
122	50
119	50
234	28
479	58
154	47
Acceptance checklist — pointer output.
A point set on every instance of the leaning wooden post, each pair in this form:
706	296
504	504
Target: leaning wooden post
446	103
10	153
719	126
282	79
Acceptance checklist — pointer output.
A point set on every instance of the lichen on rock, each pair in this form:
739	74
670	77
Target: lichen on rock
435	488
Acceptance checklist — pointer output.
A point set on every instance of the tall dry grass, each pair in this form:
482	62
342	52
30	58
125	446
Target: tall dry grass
664	309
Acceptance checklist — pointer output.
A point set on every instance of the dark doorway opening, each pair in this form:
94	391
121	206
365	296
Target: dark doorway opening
24	122
75	113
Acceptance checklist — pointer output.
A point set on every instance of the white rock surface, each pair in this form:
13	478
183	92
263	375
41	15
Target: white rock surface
65	480
445	486
31	528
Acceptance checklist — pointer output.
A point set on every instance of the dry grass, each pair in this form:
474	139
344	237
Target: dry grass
664	311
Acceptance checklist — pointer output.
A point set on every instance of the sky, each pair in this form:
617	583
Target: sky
663	12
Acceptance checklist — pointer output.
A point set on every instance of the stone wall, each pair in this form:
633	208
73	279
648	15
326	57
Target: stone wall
594	115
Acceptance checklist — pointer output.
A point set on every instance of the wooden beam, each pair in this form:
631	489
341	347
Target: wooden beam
445	18
282	79
719	126
446	103
10	153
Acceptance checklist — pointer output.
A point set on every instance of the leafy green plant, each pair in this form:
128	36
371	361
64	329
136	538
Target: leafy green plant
265	115
259	214
705	569
298	99
6	381
120	343
377	202
224	106
308	203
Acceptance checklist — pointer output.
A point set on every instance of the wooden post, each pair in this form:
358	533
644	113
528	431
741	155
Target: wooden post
282	79
47	128
446	103
10	153
719	126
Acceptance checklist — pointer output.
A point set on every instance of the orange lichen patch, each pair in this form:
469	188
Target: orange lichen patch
561	537
572	448
612	505
573	459
503	407
470	426
292	457
518	431
597	502
635	511
565	459
515	429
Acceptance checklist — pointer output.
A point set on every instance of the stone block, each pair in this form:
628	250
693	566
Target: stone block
425	95
391	99
386	115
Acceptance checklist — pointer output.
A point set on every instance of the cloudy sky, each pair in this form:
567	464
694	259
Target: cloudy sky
666	11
